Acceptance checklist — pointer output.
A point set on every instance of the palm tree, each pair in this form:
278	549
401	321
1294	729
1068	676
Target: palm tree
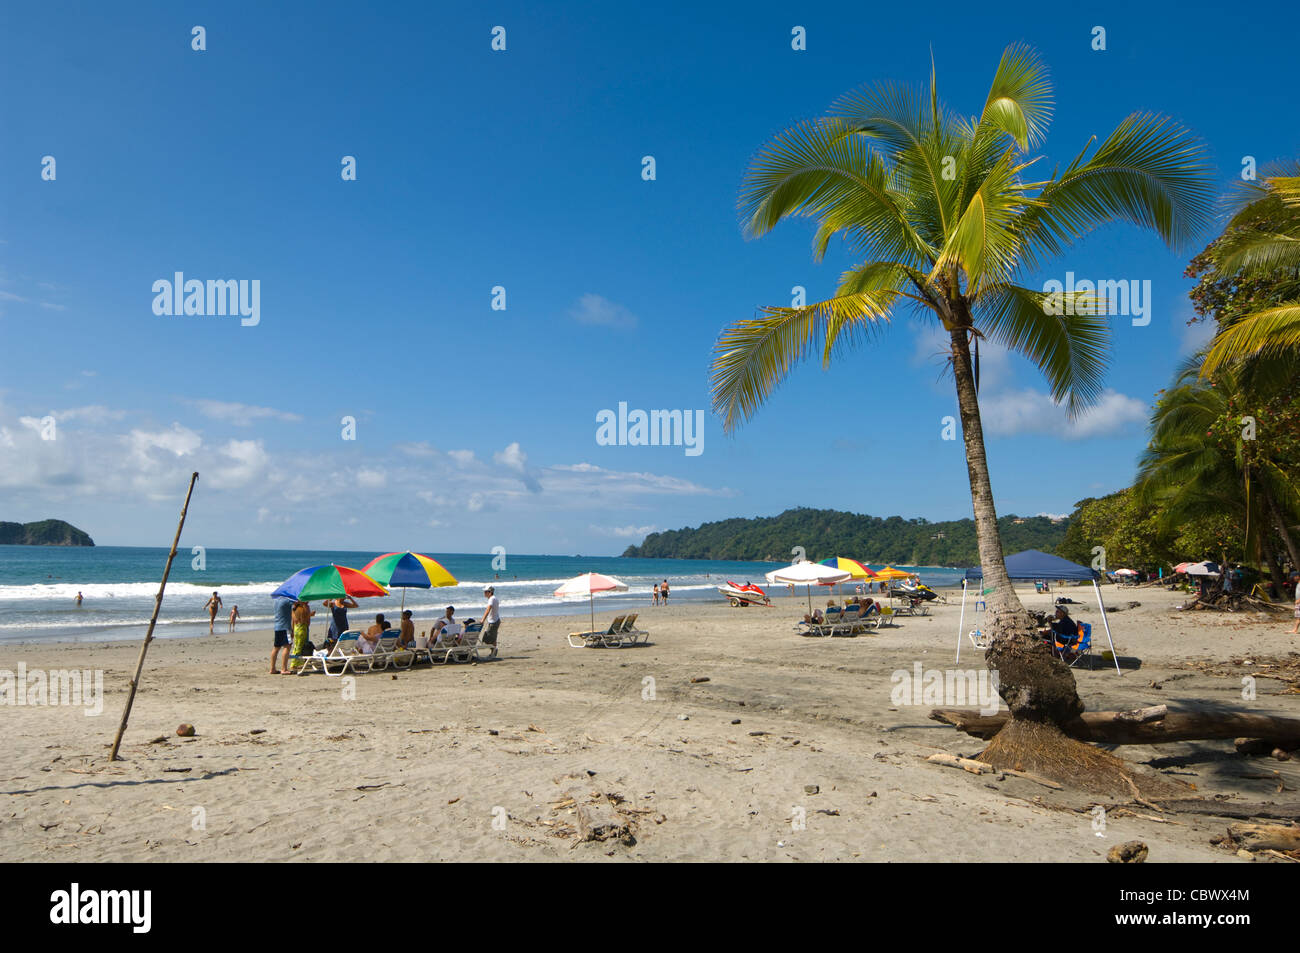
1262	240
1199	462
939	211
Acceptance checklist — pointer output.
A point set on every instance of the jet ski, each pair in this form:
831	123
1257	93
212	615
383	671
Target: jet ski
745	595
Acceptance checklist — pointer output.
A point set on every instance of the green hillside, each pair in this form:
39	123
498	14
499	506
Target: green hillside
824	533
43	533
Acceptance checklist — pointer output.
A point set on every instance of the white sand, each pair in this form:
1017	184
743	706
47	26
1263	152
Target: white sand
410	769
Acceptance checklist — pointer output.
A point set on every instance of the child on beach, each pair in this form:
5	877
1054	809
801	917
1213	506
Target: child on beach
234	614
301	622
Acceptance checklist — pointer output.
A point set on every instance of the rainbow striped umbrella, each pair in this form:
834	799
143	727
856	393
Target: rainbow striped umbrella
409	571
851	566
329	582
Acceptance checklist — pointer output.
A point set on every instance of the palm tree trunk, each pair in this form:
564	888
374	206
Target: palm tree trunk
1279	522
1036	685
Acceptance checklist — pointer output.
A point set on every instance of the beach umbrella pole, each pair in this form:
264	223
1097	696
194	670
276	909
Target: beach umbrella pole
961	620
1106	622
153	620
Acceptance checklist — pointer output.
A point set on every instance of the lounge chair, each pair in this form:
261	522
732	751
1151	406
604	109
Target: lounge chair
630	634
343	656
386	651
596	639
850	621
1071	652
978	639
465	648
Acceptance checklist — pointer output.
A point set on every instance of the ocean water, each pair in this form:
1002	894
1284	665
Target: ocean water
39	584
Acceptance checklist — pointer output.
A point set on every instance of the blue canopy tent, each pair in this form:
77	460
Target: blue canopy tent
1035	564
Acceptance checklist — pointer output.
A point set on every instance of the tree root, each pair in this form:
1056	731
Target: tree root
1043	749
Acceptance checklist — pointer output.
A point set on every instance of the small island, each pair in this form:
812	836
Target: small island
43	533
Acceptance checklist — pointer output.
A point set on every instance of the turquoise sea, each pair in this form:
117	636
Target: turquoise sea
39	584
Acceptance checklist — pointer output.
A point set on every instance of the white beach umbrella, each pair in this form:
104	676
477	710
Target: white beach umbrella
1202	569
588	584
808	574
1125	572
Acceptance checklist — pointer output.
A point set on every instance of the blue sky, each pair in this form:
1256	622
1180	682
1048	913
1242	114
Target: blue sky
522	169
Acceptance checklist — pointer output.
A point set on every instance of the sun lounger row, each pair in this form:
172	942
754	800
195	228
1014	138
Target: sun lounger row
847	621
622	631
346	655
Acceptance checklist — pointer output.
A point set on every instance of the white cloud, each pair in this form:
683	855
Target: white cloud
1028	411
594	310
371	479
625	532
241	415
462	457
178	441
422	449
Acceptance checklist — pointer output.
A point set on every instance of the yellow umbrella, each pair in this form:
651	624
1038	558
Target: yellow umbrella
890	573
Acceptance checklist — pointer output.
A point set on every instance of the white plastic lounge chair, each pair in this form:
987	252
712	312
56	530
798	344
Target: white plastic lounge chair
597	639
385	651
345	655
464	647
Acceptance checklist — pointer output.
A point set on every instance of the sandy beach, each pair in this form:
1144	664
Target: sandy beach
791	750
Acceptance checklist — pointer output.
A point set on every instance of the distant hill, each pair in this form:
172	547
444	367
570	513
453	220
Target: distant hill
43	533
825	533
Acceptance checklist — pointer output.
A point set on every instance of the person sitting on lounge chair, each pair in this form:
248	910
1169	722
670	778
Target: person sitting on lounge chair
447	629
814	619
370	638
1064	629
407	636
870	607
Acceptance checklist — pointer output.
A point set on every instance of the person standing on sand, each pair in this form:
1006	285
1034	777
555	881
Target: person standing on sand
301	624
491	620
339	616
234	614
213	605
655	598
1295	629
663	591
283	623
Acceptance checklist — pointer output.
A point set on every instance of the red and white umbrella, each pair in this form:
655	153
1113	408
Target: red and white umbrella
588	584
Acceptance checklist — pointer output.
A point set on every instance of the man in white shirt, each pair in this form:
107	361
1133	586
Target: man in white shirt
491	620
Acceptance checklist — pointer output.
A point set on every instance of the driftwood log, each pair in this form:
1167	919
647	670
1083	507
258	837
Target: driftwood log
1129	728
1265	836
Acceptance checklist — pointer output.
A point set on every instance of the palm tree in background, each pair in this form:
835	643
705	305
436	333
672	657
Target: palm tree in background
944	218
1200	461
1262	240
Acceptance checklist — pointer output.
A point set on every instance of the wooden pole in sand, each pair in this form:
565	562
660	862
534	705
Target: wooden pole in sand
148	636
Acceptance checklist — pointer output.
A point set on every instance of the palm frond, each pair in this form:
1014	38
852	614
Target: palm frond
753	357
1019	103
1150	172
1070	349
815	170
1269	332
